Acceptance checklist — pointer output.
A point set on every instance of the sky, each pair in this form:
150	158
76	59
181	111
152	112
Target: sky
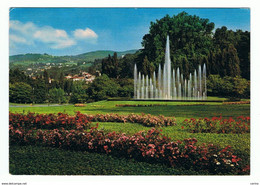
72	31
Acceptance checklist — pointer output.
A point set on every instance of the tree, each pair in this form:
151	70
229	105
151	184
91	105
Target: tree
111	67
39	91
189	35
78	94
18	76
147	67
241	87
61	80
102	88
46	77
20	92
57	96
243	50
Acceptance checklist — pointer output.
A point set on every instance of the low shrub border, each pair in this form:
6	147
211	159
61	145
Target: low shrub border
81	121
144	119
218	125
149	146
236	103
50	121
79	105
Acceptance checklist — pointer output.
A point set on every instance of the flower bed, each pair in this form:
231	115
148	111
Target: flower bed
236	103
82	120
218	125
49	121
80	105
144	119
149	146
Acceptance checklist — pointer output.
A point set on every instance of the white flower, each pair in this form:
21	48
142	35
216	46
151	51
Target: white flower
218	163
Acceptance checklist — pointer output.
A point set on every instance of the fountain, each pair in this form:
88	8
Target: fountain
170	84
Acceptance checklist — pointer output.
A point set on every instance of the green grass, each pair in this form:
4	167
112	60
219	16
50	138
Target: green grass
36	160
180	110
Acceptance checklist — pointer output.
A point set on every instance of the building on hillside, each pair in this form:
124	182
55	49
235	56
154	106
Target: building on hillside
84	76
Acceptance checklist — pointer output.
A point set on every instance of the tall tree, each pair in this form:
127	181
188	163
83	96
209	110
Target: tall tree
189	35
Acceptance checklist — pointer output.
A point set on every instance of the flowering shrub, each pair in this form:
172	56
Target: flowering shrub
80	105
149	146
82	121
49	121
144	119
236	103
218	125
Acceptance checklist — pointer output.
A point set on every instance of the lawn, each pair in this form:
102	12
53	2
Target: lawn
179	110
55	161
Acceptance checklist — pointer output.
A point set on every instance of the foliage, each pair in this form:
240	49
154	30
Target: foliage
102	87
39	91
236	87
57	96
218	125
189	35
20	92
78	94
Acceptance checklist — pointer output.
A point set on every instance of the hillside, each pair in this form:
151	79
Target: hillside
30	58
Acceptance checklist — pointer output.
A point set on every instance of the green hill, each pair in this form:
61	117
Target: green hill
29	58
91	56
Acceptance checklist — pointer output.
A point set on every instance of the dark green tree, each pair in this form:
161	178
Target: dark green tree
189	35
20	92
57	96
102	88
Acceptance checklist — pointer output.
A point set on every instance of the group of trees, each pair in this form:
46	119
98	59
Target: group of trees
193	42
24	89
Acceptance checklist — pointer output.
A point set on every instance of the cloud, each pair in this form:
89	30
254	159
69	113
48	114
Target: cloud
29	33
21	27
57	39
17	39
85	34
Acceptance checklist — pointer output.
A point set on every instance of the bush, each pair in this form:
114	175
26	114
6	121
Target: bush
233	87
149	146
144	119
218	125
49	121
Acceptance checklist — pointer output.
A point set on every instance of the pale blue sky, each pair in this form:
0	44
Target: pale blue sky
70	31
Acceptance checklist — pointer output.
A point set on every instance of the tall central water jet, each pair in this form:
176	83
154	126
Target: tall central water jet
170	84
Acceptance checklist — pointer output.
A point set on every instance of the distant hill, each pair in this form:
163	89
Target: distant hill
30	58
91	56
